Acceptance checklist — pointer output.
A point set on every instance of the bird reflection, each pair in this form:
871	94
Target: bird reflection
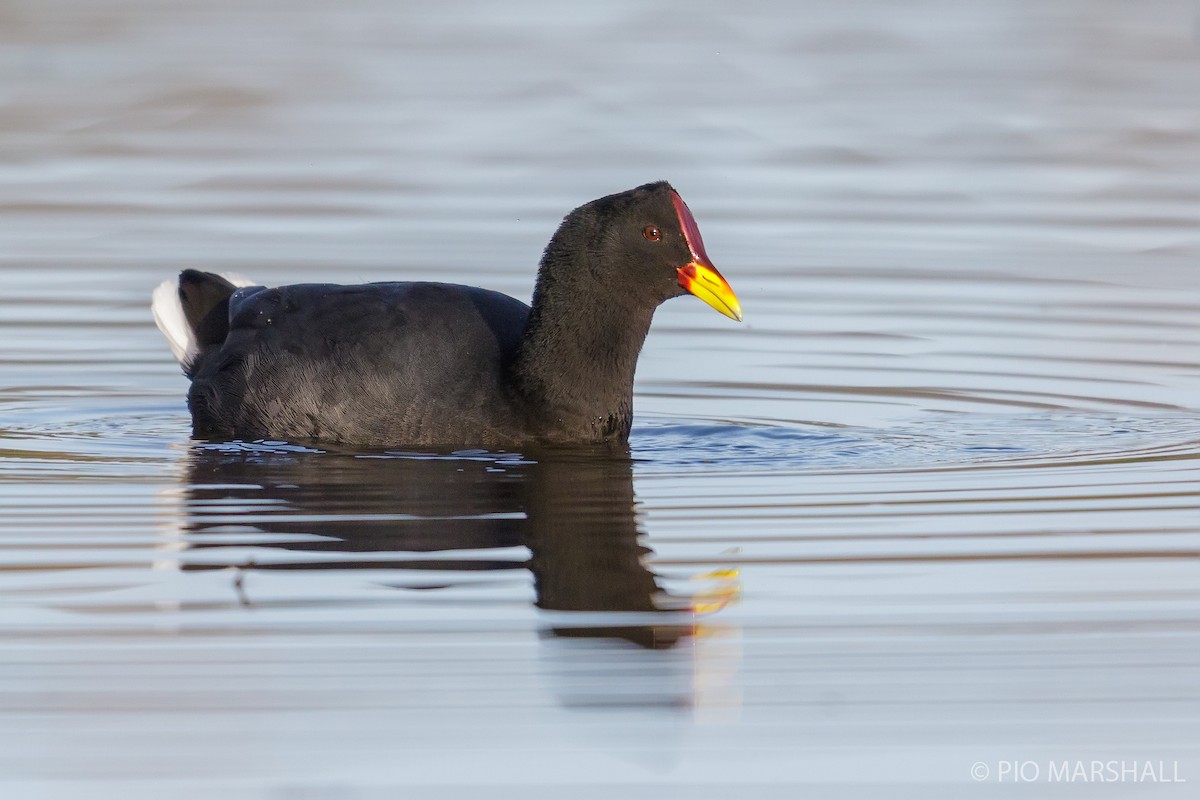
573	509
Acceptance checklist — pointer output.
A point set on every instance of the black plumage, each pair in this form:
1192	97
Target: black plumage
429	364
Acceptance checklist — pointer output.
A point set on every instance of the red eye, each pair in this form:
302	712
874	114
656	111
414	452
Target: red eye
652	233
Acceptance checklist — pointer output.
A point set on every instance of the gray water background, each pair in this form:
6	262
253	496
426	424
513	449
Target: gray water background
946	470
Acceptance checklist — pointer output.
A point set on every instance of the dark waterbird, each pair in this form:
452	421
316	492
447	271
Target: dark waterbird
429	364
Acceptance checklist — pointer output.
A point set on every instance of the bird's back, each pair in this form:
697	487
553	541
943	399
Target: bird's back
379	363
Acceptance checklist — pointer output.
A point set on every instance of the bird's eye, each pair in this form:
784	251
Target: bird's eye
652	233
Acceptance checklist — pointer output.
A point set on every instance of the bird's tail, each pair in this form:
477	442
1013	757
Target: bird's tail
193	314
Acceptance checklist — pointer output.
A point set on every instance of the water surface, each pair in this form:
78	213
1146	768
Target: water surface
936	502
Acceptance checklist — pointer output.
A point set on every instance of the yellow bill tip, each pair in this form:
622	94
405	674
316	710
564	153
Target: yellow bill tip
705	282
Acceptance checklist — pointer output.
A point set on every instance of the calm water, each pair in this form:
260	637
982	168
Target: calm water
936	502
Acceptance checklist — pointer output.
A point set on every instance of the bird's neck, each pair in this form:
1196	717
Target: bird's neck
576	364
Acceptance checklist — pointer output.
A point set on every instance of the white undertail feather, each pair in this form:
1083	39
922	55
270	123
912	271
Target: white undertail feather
170	319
